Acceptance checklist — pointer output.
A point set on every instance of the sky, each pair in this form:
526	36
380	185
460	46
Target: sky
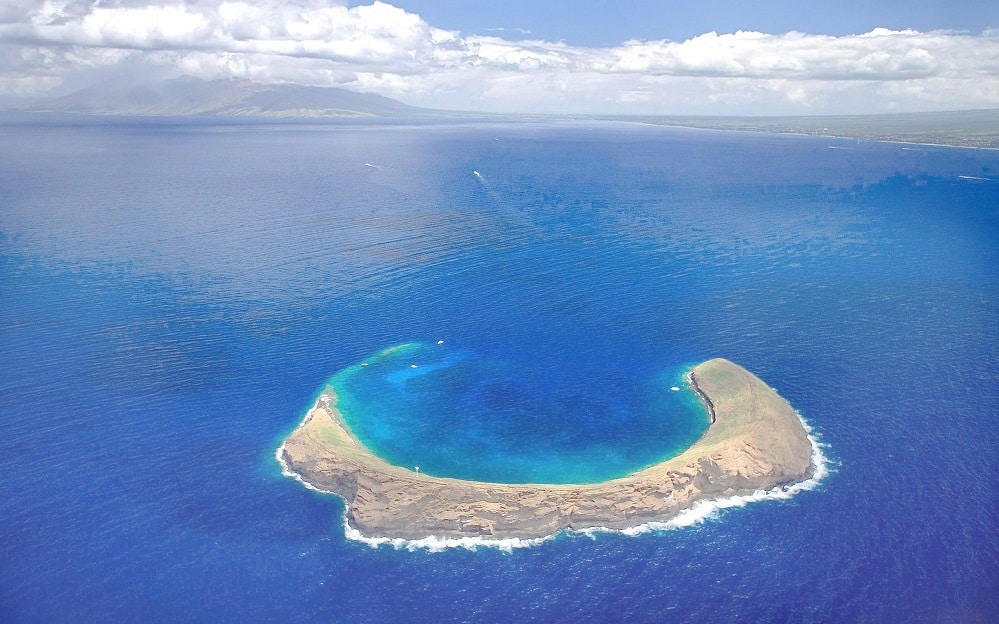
722	57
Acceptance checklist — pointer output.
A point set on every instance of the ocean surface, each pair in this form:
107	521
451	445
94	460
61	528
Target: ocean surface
174	295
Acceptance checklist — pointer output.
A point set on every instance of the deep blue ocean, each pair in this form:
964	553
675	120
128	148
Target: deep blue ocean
174	294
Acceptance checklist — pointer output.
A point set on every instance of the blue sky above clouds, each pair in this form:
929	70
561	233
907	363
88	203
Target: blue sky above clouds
610	22
554	56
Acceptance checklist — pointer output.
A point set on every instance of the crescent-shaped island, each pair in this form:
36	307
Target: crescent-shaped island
755	441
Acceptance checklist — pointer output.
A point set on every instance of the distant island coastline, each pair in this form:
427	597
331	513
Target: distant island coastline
232	99
971	128
755	442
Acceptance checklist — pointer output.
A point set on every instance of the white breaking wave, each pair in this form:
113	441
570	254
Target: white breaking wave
433	543
700	512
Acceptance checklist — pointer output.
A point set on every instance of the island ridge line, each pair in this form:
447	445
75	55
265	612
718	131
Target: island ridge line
755	441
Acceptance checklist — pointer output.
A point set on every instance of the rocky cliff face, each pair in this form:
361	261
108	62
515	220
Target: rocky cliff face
756	441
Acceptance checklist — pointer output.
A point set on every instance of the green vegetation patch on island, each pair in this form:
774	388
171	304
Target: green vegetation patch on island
755	442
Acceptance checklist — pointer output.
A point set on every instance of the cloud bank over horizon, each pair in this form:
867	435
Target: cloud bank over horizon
62	44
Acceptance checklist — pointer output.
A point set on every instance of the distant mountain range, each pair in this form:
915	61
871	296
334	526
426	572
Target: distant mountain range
191	96
242	98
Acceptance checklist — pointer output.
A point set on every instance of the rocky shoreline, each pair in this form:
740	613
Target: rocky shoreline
755	442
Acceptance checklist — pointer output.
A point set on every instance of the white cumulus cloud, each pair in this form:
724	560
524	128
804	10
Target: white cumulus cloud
380	47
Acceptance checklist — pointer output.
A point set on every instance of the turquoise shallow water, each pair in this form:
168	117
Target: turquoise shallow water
452	413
